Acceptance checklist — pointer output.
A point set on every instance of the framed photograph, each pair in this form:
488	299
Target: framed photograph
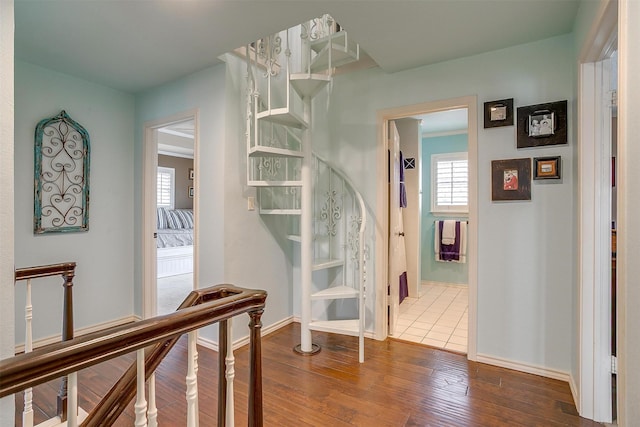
511	179
191	192
547	167
542	125
498	113
191	174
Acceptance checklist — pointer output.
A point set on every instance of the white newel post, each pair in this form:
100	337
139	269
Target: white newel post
141	402
152	413
72	400
192	381
27	413
306	232
230	374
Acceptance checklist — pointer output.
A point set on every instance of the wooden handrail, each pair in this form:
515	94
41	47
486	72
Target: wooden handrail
214	304
68	271
123	391
45	271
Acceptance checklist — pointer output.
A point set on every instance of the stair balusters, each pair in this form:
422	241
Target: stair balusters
281	164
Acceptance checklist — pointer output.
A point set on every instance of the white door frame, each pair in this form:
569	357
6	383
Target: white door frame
149	176
594	244
381	238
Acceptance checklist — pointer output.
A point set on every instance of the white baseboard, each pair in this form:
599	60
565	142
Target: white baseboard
432	283
525	367
367	334
574	392
212	345
78	332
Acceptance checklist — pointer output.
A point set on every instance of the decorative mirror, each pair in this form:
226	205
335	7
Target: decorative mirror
61	176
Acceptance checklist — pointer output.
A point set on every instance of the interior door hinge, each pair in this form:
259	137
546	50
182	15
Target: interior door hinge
614	365
613	101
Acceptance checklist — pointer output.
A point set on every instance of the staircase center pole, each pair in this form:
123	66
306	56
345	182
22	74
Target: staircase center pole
306	230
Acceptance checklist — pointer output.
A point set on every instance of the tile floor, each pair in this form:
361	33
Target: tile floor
438	318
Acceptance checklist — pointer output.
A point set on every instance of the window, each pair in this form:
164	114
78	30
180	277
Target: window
165	187
449	182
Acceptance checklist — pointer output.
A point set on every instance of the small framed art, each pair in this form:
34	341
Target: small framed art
542	125
511	179
498	113
191	174
191	192
547	167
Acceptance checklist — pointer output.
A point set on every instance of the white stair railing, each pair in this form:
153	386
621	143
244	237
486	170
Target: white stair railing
152	412
349	233
230	374
141	401
192	381
67	398
281	164
27	413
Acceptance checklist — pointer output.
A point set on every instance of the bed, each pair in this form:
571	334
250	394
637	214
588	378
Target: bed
174	242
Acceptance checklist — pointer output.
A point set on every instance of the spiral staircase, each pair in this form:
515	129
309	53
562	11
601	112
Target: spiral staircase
325	214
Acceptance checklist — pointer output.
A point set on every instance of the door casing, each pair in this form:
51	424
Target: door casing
149	176
382	209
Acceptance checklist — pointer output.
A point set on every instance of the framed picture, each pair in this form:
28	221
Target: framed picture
511	179
498	113
547	167
191	192
191	174
542	125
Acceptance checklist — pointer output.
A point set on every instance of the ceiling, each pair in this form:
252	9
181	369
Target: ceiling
443	122
134	45
177	139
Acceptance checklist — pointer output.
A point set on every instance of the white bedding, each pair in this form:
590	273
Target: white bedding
172	238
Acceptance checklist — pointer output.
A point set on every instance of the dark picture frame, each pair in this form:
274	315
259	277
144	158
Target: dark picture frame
511	179
547	167
542	125
191	174
191	192
498	113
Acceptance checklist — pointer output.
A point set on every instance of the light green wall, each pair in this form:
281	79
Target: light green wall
203	90
235	245
525	249
103	285
432	270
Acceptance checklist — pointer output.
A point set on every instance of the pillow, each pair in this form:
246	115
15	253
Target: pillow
173	220
161	218
186	217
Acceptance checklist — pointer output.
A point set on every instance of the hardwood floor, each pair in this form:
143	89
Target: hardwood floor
400	384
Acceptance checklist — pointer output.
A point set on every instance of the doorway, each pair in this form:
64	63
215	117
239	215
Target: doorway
388	307
170	207
434	149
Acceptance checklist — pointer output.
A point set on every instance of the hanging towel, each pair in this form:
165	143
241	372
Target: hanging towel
449	232
456	252
403	187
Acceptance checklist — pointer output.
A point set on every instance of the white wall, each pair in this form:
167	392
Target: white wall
526	250
410	143
6	199
103	286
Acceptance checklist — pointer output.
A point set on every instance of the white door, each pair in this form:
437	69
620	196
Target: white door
394	227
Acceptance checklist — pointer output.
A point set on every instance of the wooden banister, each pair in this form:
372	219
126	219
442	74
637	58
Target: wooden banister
212	305
67	270
123	391
45	271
